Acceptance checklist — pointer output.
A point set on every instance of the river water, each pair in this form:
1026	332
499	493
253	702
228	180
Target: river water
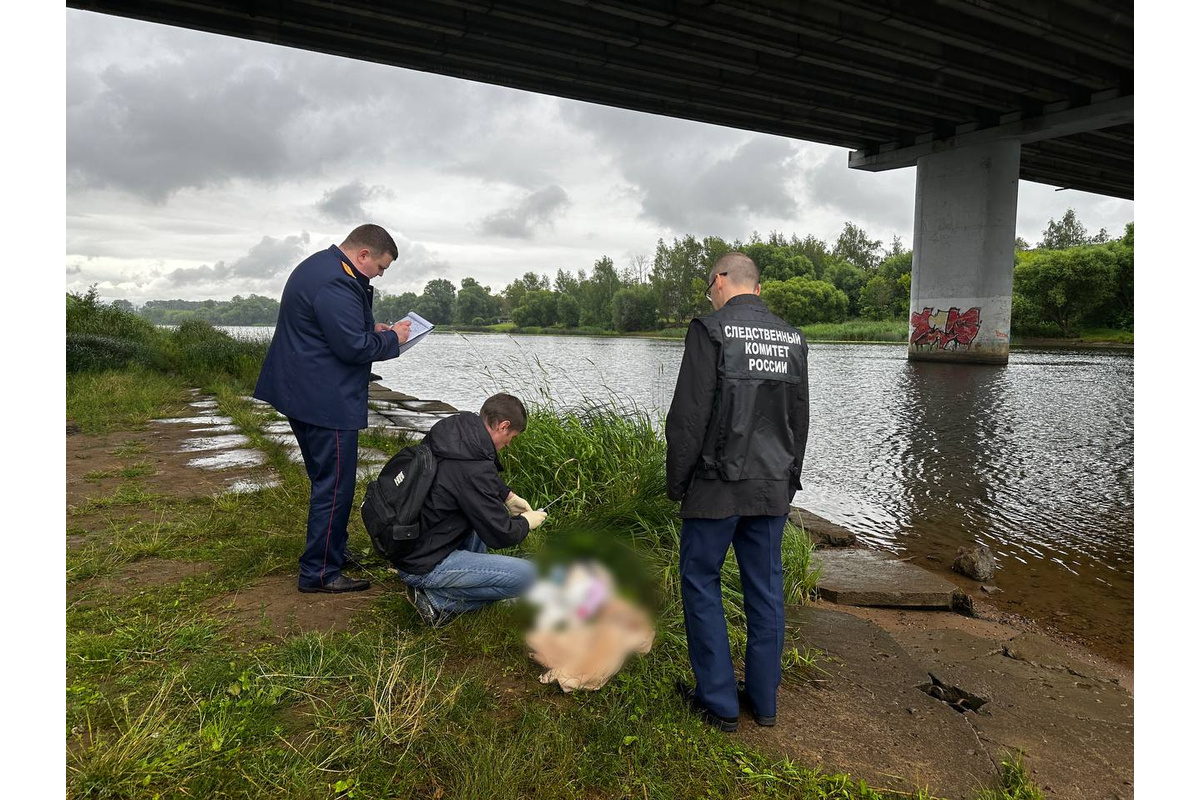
1034	458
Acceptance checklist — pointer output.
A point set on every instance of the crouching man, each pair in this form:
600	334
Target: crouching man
468	512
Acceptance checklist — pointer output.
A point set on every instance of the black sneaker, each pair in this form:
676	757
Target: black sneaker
744	702
723	724
425	610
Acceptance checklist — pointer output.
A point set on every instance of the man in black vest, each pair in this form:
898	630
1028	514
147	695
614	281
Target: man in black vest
736	434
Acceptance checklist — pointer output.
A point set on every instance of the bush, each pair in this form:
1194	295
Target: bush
202	353
801	301
89	352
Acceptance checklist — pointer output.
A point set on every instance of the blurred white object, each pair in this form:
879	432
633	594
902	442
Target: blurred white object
584	631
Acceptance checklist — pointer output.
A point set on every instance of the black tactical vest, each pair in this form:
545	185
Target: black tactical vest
761	368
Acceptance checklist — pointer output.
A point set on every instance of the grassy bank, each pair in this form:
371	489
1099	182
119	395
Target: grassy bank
177	686
855	330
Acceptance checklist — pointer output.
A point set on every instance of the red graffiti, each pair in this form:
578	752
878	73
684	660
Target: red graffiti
957	329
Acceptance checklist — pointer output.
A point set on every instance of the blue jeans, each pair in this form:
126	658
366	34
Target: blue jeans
757	542
471	577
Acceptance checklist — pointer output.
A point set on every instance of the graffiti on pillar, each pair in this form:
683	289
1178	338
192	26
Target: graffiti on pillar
944	329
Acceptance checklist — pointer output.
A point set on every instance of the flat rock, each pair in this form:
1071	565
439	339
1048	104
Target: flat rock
1075	729
864	713
821	532
429	407
377	392
870	578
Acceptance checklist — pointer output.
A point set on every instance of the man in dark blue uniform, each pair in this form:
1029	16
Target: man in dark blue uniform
736	434
316	374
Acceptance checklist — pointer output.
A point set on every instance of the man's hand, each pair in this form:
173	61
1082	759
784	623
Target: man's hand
534	518
381	327
516	504
401	330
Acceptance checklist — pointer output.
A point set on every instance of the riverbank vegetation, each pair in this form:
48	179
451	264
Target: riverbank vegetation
177	685
1072	285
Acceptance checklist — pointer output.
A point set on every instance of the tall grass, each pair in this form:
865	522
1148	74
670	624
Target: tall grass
101	337
859	330
606	466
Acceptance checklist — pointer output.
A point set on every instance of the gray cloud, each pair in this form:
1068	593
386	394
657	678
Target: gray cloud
171	125
267	259
872	199
74	269
537	209
692	177
345	203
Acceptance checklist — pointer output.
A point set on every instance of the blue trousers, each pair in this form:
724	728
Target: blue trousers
757	543
331	460
471	577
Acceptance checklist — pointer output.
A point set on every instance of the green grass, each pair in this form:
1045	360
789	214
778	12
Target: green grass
169	695
859	330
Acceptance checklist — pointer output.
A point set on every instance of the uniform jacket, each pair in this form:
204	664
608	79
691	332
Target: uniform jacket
738	423
319	363
467	495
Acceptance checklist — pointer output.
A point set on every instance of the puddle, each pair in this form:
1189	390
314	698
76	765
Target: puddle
214	442
372	456
251	485
205	420
216	429
233	458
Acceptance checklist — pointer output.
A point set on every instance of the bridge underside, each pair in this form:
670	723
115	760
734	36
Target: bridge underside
874	76
974	94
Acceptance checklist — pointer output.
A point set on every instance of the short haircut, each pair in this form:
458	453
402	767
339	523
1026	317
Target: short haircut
501	408
374	238
738	267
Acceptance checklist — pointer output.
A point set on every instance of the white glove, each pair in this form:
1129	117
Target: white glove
534	518
516	504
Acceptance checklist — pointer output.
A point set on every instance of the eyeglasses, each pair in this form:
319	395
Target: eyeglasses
708	291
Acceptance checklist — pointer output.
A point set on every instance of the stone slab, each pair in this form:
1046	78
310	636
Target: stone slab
377	392
429	406
871	578
862	712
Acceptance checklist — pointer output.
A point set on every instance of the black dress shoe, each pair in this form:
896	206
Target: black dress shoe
339	584
744	702
723	724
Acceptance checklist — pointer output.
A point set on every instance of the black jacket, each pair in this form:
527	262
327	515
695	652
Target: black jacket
738	423
467	495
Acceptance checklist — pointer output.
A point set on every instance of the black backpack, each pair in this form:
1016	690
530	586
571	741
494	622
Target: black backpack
391	509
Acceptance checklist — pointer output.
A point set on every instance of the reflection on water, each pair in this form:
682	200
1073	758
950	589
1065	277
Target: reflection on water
1034	458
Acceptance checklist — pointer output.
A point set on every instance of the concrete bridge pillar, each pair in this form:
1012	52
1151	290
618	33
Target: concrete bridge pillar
962	276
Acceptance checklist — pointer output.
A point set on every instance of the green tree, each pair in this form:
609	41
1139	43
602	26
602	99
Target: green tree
514	293
474	302
1068	232
678	278
1062	286
539	308
849	279
803	301
568	310
635	308
596	294
436	303
855	246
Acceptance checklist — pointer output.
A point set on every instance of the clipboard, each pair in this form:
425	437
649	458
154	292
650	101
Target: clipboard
417	331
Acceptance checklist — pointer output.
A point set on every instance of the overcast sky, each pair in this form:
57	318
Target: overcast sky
201	166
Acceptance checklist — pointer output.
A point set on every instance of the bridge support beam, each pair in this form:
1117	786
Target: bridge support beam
962	276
